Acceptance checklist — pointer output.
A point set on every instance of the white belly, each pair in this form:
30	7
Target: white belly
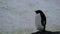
38	22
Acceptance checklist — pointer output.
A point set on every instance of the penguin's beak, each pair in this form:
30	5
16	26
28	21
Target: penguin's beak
36	12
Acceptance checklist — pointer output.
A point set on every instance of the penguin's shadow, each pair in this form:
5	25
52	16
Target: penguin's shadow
46	32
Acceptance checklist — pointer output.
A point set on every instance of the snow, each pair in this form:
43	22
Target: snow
19	14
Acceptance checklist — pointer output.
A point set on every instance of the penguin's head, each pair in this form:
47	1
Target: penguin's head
38	11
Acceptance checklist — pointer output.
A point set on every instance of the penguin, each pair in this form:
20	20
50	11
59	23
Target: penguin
40	20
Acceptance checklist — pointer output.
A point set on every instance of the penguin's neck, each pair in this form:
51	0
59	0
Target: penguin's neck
38	14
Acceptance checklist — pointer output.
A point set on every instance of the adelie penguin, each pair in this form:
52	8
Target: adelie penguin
40	21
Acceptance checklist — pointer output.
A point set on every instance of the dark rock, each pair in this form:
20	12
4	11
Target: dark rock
46	32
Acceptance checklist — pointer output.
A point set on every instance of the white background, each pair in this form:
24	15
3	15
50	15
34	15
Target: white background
19	14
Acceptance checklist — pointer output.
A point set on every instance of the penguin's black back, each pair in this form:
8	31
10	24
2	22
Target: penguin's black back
43	18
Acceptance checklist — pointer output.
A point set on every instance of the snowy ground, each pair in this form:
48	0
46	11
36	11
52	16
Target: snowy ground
18	15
